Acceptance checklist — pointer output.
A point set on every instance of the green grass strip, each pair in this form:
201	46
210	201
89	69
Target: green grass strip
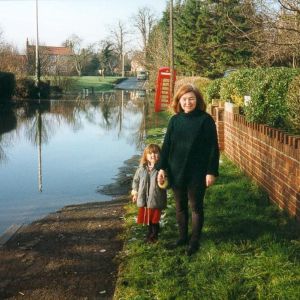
249	249
98	83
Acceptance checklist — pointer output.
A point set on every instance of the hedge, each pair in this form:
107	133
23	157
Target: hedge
26	89
293	104
267	87
7	85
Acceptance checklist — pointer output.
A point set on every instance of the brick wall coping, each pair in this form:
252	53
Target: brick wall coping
278	135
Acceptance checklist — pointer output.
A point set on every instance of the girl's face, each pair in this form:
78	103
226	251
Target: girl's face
152	158
188	102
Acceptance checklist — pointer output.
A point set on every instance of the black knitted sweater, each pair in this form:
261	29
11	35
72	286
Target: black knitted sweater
190	149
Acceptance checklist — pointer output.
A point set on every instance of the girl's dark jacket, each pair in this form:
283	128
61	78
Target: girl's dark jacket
190	149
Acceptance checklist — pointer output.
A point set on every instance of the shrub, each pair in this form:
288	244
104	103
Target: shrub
25	89
44	89
213	90
7	84
200	82
237	85
61	83
268	89
293	105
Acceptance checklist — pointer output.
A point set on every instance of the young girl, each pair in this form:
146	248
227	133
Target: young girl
150	198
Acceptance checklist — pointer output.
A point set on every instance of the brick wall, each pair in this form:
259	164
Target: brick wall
270	156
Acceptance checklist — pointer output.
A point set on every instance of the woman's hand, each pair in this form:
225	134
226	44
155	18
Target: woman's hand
161	177
210	180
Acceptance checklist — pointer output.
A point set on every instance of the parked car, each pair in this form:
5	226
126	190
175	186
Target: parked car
141	75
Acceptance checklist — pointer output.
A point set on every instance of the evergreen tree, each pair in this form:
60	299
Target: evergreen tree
208	38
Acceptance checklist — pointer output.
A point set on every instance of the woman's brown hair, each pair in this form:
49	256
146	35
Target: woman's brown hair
187	88
149	149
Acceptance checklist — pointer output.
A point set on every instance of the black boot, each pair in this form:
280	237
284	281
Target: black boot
149	233
155	231
192	248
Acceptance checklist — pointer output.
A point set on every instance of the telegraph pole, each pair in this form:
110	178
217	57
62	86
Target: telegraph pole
37	60
171	49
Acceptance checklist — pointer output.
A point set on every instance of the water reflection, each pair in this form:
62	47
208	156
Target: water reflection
60	151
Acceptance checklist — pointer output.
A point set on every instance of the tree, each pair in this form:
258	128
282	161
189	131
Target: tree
119	37
157	51
206	41
275	32
81	56
144	21
108	59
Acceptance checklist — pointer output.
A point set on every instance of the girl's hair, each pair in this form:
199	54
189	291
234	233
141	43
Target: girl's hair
149	149
186	88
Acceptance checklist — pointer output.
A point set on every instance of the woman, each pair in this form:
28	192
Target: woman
190	155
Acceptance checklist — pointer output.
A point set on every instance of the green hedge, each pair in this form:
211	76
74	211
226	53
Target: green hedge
213	90
293	104
7	85
267	87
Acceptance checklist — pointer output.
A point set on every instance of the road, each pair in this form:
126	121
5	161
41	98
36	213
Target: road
131	83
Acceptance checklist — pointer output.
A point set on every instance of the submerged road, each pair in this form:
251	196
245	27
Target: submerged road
131	83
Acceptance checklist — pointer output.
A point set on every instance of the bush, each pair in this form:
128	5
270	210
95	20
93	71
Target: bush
213	90
293	105
200	82
267	87
7	85
61	84
26	89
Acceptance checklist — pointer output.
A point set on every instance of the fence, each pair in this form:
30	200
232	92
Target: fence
270	156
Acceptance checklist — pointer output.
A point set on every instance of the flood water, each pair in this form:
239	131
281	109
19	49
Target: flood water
59	152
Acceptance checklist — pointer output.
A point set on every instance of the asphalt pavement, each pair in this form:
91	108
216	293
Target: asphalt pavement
131	83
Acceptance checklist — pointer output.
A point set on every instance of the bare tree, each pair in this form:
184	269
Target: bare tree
144	21
119	37
275	33
11	60
157	52
81	56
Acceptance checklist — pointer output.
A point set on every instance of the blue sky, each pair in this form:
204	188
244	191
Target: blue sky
58	19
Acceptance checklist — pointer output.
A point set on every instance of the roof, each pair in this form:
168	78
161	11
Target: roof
50	50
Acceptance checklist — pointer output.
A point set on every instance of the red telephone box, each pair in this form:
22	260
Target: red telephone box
163	93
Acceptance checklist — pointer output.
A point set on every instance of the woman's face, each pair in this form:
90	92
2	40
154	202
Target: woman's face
188	102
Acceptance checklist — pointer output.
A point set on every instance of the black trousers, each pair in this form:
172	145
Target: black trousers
192	196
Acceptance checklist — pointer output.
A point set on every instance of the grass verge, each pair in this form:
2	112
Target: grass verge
249	249
99	84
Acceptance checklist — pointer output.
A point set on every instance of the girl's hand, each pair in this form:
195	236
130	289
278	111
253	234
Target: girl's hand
210	179
134	198
134	195
161	177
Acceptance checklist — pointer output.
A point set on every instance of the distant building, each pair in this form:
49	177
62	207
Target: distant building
137	62
53	60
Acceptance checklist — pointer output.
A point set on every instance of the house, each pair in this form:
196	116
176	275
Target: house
53	60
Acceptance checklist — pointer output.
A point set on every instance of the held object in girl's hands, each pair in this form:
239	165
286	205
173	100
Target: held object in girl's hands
165	184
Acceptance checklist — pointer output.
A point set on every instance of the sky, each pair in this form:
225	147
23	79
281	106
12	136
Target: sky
91	20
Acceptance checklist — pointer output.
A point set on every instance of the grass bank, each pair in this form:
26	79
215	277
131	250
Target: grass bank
249	249
75	84
99	84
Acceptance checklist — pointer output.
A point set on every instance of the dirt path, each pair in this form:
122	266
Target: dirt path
70	254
